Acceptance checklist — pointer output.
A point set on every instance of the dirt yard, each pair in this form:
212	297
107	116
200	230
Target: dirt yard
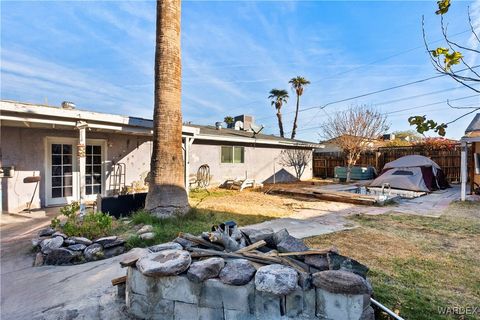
419	265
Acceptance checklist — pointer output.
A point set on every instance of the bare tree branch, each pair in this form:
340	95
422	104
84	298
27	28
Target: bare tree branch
296	158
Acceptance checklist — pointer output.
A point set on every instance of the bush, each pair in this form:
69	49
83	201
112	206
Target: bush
92	225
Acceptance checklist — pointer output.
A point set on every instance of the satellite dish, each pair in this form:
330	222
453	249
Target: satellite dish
256	129
238	125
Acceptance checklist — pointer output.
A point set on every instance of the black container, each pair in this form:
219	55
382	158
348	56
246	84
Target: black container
123	205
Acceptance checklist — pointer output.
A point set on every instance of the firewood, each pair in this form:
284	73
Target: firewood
208	252
119	280
300	253
253	246
200	241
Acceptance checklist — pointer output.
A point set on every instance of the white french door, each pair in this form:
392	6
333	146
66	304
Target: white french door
62	172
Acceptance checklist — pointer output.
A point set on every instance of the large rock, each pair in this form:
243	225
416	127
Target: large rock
339	262
256	235
48	245
165	246
36	242
291	244
340	282
117	242
237	272
280	235
46	232
80	240
276	279
113	251
105	240
59	234
164	263
319	261
93	252
147	236
59	256
184	242
205	269
77	247
146	228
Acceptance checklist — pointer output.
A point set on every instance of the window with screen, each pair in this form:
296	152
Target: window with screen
232	154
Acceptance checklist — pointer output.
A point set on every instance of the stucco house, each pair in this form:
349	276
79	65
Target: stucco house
75	154
470	139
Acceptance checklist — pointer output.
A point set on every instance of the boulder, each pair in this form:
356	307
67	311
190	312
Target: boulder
68	242
59	234
93	252
318	261
46	232
165	246
276	279
39	259
80	240
164	263
105	240
205	269
113	251
59	256
146	228
280	235
49	244
256	235
339	262
184	242
36	242
147	236
76	247
115	243
237	272
341	282
291	244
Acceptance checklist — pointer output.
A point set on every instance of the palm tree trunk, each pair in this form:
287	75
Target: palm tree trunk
294	130
280	123
166	194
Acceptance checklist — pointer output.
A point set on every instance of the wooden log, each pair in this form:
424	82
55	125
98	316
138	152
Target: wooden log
200	241
210	253
262	257
119	280
301	253
253	246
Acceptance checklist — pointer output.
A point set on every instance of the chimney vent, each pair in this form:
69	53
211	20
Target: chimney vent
68	105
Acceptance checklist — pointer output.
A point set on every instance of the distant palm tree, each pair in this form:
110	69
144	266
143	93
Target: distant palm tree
228	120
278	97
298	83
166	192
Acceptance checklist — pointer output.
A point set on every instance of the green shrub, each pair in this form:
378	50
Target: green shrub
92	225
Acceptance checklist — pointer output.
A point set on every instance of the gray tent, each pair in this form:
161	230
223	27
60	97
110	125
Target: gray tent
415	173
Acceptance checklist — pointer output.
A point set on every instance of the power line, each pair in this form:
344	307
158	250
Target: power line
373	92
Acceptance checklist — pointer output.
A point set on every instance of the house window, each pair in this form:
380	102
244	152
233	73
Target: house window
233	154
93	170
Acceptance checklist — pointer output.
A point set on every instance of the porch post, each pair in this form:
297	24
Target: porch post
186	163
463	170
81	153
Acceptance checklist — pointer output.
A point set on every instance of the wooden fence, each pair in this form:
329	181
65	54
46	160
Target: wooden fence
447	158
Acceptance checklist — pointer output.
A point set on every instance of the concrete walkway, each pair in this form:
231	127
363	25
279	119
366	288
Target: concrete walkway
52	292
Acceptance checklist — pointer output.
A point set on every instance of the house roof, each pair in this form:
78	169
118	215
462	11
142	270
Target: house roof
42	116
474	125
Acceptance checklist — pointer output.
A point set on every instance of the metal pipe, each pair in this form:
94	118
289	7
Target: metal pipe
385	309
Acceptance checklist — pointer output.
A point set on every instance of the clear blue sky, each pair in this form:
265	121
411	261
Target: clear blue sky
100	55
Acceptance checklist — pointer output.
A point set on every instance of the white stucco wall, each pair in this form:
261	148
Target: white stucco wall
24	148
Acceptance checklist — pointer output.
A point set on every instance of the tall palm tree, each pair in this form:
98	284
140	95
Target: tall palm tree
279	97
166	193
298	83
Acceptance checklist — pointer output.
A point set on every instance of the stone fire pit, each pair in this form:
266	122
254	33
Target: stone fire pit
270	275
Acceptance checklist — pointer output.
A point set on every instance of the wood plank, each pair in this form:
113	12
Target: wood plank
200	240
253	246
119	280
301	253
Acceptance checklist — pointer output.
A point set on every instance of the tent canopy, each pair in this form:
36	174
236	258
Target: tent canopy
411	161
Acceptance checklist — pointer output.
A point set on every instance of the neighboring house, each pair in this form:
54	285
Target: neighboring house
48	143
331	146
472	139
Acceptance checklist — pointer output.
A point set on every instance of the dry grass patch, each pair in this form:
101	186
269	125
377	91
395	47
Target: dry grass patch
250	202
418	264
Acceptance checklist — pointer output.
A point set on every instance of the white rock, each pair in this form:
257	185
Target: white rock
164	263
147	236
145	229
